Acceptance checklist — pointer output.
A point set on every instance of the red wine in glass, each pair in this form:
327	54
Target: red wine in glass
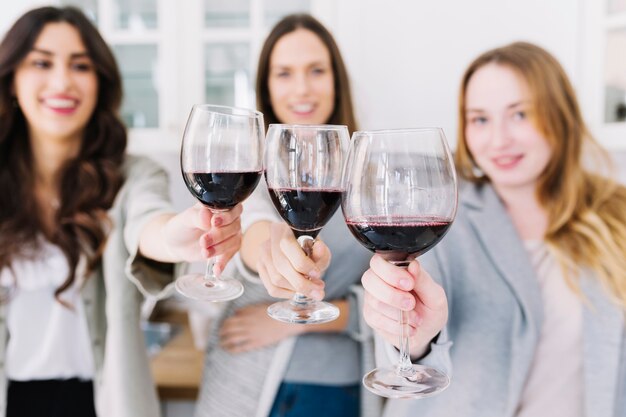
306	211
221	161
303	165
398	239
400	199
221	190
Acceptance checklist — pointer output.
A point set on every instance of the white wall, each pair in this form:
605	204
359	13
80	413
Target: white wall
406	57
12	9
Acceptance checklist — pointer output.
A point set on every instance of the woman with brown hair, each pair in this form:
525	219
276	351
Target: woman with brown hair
256	365
85	230
330	69
533	267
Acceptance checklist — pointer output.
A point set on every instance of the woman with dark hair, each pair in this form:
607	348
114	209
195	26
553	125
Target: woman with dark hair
256	365
85	230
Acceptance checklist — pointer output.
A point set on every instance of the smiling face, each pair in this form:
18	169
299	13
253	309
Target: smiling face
500	132
56	85
301	80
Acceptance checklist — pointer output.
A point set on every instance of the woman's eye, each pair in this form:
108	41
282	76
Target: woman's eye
41	63
478	120
318	71
82	67
519	115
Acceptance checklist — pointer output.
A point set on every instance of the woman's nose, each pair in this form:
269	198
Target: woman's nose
302	84
500	134
60	78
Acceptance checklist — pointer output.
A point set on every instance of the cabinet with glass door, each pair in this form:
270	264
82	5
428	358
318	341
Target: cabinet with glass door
175	54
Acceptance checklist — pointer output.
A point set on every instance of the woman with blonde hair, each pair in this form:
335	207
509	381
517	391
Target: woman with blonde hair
533	268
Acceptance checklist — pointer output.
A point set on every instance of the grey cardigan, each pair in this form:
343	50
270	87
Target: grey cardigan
112	297
246	384
495	317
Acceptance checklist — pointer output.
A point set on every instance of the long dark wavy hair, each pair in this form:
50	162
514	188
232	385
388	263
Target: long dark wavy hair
343	112
88	183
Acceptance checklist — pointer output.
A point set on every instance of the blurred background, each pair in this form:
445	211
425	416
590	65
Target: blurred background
405	59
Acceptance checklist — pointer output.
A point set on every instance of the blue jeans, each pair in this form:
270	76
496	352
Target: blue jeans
304	400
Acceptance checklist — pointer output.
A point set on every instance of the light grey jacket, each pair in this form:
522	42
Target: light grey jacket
112	298
495	318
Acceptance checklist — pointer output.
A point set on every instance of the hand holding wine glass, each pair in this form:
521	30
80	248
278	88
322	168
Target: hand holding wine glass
303	173
216	234
412	289
221	161
399	201
285	269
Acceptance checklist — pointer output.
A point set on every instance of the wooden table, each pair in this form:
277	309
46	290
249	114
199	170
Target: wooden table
177	368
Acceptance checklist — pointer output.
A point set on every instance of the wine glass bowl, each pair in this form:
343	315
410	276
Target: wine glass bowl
400	198
221	162
398	239
303	173
221	191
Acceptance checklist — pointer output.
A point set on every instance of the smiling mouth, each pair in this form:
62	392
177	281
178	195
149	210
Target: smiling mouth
61	103
507	161
302	108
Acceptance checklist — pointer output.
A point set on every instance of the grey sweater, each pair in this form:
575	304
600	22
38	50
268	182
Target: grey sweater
315	358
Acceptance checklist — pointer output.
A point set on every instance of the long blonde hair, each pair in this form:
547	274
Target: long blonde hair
586	211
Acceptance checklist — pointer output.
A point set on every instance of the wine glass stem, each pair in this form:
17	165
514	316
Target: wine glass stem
300	299
306	243
210	279
209	276
405	367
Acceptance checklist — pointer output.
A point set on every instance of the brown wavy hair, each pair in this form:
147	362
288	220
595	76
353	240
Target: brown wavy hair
343	112
586	210
88	183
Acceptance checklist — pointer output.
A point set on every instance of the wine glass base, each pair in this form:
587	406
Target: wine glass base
312	312
196	287
422	382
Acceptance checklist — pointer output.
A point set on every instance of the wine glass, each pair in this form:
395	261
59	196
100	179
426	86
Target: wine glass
400	197
303	173
221	160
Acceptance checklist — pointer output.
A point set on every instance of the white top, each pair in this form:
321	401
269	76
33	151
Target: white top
47	340
555	385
